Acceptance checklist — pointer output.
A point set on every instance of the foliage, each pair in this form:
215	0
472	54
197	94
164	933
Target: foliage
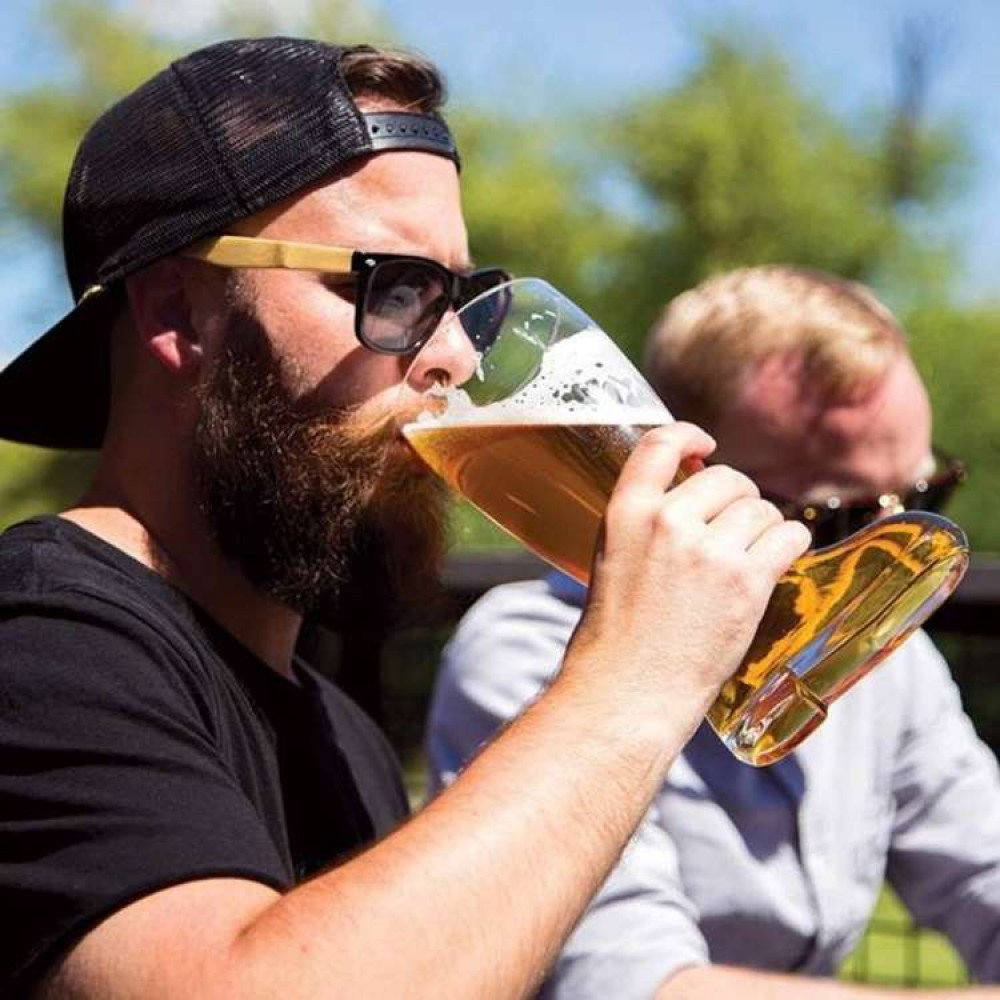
529	207
894	952
36	481
735	165
109	52
739	166
40	129
958	354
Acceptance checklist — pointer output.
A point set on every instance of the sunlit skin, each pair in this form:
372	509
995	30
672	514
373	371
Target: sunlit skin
144	499
800	447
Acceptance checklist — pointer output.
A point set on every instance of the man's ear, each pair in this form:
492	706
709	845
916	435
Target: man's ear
164	311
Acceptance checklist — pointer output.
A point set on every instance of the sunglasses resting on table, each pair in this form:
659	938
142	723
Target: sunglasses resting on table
399	298
834	518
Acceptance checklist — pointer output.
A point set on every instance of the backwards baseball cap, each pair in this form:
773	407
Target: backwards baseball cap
215	137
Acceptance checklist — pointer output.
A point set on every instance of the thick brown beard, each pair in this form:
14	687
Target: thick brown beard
325	516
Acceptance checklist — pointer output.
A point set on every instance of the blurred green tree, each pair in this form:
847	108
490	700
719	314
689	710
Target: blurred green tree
35	480
735	165
740	166
531	207
958	353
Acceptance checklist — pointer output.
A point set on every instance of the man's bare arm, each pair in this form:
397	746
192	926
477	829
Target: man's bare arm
474	896
697	983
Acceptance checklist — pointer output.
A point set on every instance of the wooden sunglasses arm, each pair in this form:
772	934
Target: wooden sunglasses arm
250	251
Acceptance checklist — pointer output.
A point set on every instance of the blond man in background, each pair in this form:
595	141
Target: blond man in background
740	876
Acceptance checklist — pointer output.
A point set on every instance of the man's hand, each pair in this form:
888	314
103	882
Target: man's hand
682	575
752	984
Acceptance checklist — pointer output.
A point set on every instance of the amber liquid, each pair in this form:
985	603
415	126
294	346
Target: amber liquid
833	616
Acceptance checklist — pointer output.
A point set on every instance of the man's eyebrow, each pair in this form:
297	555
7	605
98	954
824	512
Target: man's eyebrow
467	266
466	263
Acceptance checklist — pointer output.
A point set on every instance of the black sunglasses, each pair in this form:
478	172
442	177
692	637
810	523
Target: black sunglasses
833	518
399	299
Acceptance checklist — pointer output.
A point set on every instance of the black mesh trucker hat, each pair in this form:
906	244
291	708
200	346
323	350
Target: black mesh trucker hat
215	137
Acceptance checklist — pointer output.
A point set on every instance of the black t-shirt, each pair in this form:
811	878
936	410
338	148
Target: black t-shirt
142	746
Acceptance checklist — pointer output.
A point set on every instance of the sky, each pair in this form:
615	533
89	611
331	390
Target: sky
534	56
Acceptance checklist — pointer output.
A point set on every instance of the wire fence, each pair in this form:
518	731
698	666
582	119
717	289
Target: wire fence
895	952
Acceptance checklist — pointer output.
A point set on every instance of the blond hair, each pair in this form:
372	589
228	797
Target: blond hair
708	339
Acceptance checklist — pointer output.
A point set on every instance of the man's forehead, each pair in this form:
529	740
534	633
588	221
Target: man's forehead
781	394
792	439
406	202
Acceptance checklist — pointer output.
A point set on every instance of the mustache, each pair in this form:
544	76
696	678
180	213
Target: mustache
361	422
374	434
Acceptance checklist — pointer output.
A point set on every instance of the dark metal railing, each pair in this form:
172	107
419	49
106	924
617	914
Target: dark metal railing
972	611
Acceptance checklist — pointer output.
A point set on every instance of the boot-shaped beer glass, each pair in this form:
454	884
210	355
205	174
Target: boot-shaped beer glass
536	437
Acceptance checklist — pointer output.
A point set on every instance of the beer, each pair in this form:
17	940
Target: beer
545	483
833	616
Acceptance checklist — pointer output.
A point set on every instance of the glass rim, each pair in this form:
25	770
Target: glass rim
506	285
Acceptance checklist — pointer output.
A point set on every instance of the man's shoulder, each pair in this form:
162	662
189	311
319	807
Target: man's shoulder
858	745
25	548
910	675
865	725
47	556
510	641
527	617
68	597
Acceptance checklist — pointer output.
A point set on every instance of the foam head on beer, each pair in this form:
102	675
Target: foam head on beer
582	378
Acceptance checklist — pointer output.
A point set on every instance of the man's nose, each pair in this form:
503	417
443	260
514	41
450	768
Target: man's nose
447	358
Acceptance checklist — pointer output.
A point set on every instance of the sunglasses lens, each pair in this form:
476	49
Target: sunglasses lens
404	303
834	520
932	498
483	316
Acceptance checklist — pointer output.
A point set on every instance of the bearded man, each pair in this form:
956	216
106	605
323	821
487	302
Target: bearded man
261	239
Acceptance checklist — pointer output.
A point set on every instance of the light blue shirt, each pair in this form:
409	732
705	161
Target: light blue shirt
776	868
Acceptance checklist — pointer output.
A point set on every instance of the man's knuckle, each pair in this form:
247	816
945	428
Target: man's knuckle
662	438
734	572
743	483
768	512
667	522
624	507
712	559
